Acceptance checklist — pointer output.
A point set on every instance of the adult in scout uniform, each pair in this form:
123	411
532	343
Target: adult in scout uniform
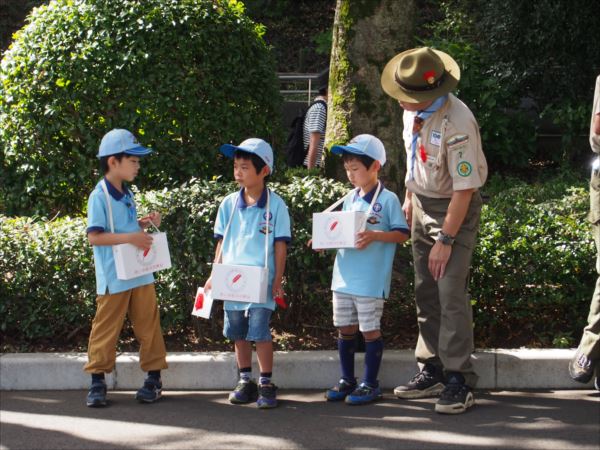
445	169
587	356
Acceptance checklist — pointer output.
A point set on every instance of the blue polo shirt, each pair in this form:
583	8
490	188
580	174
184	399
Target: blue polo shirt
368	272
125	221
245	240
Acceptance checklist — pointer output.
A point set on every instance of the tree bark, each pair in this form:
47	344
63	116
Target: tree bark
366	34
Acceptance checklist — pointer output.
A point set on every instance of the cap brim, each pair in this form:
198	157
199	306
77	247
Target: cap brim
138	151
229	149
393	89
340	149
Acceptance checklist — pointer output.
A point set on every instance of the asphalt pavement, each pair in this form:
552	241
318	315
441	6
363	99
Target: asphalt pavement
542	419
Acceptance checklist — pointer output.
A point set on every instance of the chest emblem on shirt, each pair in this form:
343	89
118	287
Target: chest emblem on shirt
377	207
373	220
263	228
435	138
464	168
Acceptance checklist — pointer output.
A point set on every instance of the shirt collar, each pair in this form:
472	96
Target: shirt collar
114	192
262	201
369	195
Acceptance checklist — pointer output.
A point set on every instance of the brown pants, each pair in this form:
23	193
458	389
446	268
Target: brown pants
140	305
444	312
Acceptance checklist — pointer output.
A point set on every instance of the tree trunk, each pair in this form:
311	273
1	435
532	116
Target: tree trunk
366	34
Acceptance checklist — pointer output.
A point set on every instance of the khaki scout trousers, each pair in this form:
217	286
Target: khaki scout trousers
140	305
590	341
444	313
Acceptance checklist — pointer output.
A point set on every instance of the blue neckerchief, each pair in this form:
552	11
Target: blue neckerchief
424	115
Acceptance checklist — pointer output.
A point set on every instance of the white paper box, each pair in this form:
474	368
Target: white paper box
336	229
202	303
132	261
240	283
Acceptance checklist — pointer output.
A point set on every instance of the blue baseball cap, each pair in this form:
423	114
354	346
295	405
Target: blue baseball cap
363	144
121	141
253	145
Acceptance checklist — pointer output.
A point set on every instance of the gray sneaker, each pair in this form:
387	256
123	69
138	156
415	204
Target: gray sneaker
581	368
97	394
429	382
456	397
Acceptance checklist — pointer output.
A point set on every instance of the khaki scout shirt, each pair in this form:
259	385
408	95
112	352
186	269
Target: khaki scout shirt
455	160
595	138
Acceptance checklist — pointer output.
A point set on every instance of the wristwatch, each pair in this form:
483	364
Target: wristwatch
445	239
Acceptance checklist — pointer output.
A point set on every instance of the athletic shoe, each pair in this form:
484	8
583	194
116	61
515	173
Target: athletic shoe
363	394
597	382
150	391
456	397
581	368
244	392
341	390
97	394
267	396
429	382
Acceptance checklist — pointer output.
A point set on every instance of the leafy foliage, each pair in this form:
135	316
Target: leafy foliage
185	76
533	268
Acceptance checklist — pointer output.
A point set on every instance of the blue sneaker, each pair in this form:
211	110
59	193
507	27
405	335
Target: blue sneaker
341	390
267	396
97	394
244	392
363	394
150	391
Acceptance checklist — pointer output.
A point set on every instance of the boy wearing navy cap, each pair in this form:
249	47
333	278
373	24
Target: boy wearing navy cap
119	156
241	228
362	275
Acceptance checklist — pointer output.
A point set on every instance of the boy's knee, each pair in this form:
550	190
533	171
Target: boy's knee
347	331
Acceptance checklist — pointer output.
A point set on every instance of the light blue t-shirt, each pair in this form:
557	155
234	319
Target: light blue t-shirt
245	240
125	221
368	272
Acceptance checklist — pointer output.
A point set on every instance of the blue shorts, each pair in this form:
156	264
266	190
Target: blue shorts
248	325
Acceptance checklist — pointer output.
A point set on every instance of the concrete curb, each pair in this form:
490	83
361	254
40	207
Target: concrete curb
497	369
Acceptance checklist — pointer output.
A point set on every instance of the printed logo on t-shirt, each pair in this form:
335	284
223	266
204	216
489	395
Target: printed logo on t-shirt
263	227
377	207
373	220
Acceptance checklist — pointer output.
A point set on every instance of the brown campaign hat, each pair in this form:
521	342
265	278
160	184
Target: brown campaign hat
419	75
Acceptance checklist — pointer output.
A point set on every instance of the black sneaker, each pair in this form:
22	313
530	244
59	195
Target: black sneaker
597	382
244	392
581	368
429	382
97	394
150	391
267	396
456	397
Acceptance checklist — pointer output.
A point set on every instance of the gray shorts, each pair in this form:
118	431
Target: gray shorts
355	310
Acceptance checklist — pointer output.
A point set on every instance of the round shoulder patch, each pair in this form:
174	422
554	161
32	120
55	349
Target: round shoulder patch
464	168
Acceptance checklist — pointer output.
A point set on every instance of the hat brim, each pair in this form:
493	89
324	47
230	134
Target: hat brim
138	151
341	149
393	89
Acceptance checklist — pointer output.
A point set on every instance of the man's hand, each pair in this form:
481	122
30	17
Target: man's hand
141	240
407	209
438	259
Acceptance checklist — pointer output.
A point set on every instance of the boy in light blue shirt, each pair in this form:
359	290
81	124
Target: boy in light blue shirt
362	275
241	230
119	155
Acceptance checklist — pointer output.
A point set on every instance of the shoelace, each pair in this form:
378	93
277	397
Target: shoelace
584	362
267	391
422	376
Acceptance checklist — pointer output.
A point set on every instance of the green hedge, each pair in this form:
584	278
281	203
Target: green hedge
532	280
185	76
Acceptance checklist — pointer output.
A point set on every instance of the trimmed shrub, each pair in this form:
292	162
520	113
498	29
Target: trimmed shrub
185	76
532	279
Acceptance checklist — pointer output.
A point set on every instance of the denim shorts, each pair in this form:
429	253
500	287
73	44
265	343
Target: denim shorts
248	325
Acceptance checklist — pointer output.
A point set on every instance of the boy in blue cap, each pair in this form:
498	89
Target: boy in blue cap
119	156
362	275
241	229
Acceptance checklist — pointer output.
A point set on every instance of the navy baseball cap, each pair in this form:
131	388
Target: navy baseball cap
121	141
